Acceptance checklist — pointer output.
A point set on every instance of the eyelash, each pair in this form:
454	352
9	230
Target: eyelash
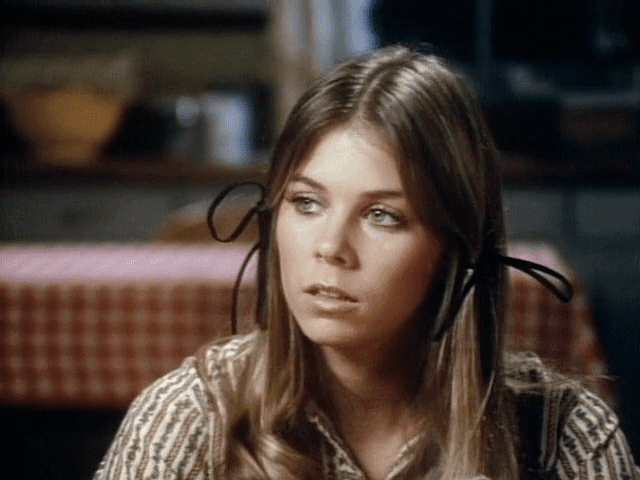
299	202
398	219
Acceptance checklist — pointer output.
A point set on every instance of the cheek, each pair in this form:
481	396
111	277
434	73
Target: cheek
282	246
294	239
290	251
409	279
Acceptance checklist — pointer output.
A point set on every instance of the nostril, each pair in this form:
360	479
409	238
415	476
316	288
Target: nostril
335	245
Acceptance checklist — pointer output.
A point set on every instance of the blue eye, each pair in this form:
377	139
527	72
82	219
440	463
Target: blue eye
306	205
384	218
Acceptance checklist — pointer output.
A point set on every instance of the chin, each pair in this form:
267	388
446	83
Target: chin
330	332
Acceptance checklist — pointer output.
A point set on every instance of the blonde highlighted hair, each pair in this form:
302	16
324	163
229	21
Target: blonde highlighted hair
449	166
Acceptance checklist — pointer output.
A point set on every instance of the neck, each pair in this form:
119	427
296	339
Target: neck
367	385
370	399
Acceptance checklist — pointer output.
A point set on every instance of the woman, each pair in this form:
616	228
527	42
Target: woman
381	303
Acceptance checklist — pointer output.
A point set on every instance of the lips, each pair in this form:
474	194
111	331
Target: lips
329	292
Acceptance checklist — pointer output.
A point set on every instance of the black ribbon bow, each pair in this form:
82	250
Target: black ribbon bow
261	246
535	270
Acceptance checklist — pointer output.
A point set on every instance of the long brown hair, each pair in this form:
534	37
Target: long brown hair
449	166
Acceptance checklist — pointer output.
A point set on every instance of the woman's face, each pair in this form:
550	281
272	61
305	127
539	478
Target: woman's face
355	261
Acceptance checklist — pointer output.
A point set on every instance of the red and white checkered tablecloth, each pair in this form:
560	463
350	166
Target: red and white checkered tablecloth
563	334
91	326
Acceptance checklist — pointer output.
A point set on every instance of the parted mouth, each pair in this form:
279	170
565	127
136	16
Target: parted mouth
329	291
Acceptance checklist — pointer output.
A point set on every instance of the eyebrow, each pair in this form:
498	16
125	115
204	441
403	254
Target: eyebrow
382	193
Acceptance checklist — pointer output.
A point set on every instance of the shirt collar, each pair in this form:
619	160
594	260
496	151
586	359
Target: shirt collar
338	459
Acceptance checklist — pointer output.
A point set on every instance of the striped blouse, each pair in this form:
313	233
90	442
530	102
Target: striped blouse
173	429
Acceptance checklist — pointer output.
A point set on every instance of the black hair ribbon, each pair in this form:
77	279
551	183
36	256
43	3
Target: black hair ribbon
534	270
261	246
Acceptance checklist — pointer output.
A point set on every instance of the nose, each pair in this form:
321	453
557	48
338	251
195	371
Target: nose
335	245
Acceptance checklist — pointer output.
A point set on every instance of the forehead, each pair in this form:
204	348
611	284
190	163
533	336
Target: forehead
353	157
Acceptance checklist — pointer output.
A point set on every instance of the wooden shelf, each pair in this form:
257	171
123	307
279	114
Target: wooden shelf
610	169
16	172
601	170
137	14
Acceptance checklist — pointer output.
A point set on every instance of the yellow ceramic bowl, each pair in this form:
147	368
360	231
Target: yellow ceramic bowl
67	125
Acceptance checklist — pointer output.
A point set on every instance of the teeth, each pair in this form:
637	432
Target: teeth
330	294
